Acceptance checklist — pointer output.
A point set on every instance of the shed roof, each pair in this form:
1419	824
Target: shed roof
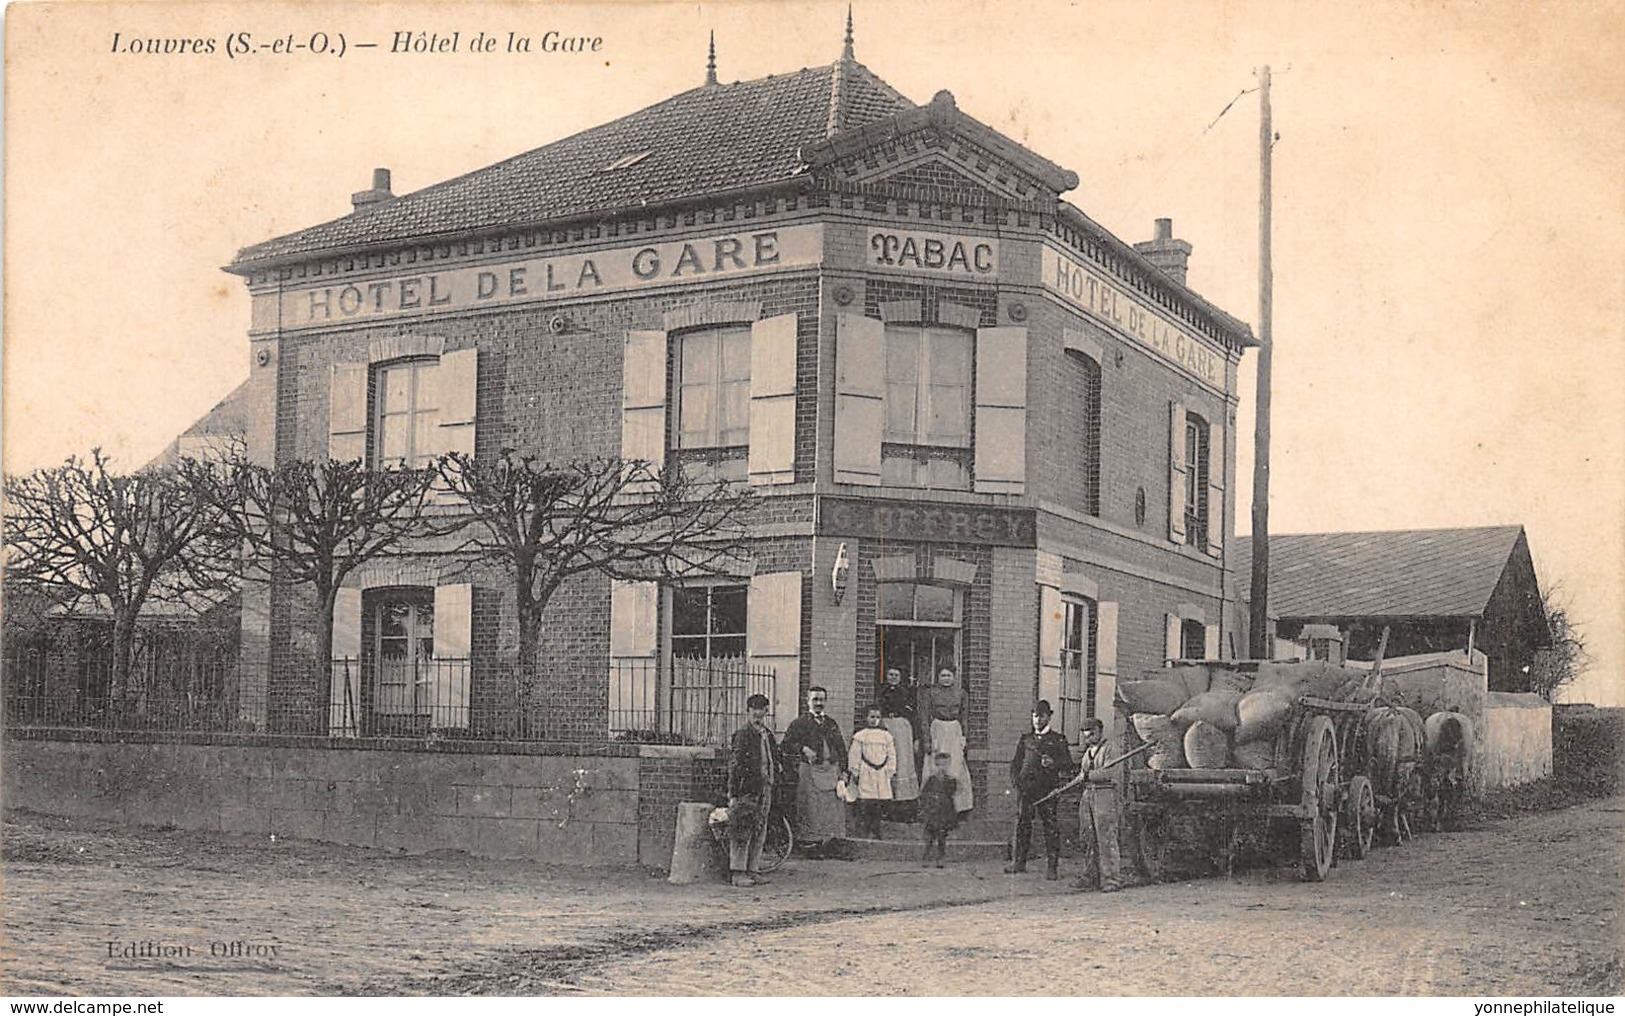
1399	573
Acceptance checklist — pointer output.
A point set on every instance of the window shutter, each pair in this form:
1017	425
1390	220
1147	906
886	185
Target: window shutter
1176	473
860	388
1216	461
1106	664
1001	410
1051	616
1210	645
1170	640
643	398
773	400
347	412
344	696
773	640
453	647
459	387
633	676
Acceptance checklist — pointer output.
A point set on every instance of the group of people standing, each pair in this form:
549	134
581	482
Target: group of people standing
908	731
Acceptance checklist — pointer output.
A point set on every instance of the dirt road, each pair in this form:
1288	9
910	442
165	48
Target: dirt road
1521	906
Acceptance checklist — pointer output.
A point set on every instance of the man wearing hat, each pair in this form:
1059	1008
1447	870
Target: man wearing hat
1040	764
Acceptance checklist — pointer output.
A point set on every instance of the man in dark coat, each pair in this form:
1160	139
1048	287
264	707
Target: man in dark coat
813	743
1040	763
753	771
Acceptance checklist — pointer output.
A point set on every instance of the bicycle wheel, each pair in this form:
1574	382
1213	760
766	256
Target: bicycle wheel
779	842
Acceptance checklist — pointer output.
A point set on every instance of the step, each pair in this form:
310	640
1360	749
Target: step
908	848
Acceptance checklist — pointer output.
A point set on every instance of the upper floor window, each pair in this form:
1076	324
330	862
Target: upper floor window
927	436
1081	436
406	414
713	399
1196	480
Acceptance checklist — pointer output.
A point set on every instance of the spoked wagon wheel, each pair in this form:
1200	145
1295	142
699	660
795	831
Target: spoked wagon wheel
780	840
1359	818
1317	836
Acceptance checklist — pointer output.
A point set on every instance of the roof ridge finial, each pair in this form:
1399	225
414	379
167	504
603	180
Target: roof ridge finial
846	50
711	61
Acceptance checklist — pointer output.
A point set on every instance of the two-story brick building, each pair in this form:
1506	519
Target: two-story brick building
983	431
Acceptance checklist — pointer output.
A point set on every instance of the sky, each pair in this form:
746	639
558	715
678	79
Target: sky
1449	208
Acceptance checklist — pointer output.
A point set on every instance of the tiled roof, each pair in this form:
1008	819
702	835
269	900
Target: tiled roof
1403	573
226	423
708	140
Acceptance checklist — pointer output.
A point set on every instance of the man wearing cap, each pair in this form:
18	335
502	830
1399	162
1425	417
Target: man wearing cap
753	771
1040	763
1098	812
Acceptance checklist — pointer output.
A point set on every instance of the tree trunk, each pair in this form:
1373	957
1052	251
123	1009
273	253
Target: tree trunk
525	681
118	690
326	595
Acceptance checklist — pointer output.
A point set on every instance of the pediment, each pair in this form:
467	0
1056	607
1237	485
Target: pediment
935	168
936	153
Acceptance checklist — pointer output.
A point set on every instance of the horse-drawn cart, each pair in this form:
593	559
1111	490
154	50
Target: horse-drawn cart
1313	778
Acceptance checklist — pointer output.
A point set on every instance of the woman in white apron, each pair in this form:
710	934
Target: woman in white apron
942	709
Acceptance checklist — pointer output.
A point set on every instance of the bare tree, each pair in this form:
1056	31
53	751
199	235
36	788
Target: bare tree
315	522
82	533
545	523
1565	658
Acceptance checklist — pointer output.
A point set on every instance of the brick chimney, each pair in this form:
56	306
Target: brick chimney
1170	255
379	193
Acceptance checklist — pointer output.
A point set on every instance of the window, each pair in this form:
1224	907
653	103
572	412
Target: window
1196	477
1081	436
1192	640
919	629
406	414
1077	670
403	652
713	401
708	622
927	435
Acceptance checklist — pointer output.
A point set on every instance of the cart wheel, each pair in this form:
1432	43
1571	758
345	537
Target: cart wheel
1359	819
1151	843
1318	835
780	841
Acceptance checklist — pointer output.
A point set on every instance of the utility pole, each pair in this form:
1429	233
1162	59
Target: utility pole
1258	607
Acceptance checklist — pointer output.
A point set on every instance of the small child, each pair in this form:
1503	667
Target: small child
937	812
872	761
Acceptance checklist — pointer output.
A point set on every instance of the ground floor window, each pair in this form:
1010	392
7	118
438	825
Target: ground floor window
1192	640
918	629
708	622
403	652
1077	667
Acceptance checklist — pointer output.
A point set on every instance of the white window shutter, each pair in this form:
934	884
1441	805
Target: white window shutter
633	676
643	398
1210	644
860	389
453	647
773	400
459	392
773	640
1051	617
344	698
347	412
1176	472
1216	462
1001	410
1170	641
1106	664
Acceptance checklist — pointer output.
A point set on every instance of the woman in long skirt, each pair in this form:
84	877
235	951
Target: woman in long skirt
942	706
897	709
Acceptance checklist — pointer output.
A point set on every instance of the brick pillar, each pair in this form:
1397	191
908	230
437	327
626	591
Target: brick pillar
1013	669
259	417
832	654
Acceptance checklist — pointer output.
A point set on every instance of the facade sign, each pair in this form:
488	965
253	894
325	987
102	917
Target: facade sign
964	257
1119	308
561	277
908	520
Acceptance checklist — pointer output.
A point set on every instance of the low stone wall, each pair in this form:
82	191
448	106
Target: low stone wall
590	805
1517	742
